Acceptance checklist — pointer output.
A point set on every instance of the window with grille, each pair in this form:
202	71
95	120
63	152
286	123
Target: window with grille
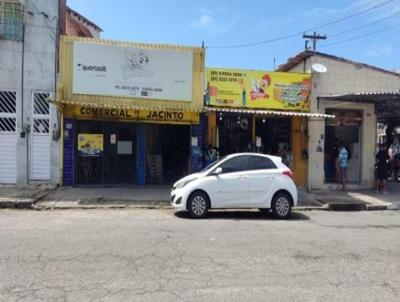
8	109
41	113
11	20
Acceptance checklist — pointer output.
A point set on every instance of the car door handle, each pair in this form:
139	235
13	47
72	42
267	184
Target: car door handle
269	177
242	177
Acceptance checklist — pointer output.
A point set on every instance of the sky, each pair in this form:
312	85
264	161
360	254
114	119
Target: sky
372	37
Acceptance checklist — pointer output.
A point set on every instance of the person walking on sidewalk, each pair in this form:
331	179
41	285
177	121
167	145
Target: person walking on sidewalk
382	162
343	163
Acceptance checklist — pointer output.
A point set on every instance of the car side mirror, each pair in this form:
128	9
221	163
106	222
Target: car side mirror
217	171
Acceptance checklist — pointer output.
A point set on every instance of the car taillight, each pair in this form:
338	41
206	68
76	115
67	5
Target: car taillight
288	173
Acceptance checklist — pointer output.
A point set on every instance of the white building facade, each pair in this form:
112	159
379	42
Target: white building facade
339	91
29	124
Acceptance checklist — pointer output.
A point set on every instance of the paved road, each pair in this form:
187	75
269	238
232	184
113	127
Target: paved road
153	255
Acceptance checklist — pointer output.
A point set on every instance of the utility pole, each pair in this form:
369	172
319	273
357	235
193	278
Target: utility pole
314	38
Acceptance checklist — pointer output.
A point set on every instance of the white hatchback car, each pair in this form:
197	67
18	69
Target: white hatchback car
238	181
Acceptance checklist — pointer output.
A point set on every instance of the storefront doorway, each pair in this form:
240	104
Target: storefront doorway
105	153
168	153
344	128
234	133
273	135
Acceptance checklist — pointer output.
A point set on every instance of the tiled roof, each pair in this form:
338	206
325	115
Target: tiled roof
294	61
84	19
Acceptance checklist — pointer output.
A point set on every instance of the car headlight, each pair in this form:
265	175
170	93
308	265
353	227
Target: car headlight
183	183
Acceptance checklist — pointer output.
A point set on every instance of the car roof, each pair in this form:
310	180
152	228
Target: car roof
272	157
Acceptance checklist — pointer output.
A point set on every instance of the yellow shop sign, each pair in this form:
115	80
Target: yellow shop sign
108	113
146	116
168	116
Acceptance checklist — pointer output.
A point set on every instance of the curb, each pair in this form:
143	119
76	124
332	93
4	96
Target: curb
347	207
24	202
379	207
69	205
16	203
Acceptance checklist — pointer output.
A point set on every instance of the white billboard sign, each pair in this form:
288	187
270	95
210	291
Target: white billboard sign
136	72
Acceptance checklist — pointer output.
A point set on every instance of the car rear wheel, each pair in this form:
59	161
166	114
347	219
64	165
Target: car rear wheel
281	205
198	205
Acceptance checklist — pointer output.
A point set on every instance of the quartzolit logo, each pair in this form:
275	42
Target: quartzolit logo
95	68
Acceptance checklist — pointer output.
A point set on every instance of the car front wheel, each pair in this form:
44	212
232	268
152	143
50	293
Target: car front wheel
198	205
281	205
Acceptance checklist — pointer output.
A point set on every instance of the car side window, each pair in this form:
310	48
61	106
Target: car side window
259	163
235	164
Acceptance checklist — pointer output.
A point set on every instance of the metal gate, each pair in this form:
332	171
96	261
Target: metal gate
40	145
8	137
116	164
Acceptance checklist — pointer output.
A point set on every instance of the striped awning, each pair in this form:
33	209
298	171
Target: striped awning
270	112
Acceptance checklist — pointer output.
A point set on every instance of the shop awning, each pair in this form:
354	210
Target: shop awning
387	104
365	97
269	112
122	106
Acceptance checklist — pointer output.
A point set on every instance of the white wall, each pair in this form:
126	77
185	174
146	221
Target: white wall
344	78
39	75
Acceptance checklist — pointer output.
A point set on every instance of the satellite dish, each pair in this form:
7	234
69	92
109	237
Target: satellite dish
318	67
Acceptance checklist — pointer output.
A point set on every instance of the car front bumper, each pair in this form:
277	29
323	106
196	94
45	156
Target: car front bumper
178	200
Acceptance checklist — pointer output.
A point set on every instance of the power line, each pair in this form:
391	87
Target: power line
360	36
363	26
307	30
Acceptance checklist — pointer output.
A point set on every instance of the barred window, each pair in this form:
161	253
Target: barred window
40	103
8	102
41	112
11	20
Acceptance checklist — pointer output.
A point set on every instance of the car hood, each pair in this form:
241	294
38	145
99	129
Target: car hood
187	178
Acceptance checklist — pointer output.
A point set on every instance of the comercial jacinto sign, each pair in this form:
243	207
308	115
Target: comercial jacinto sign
146	116
109	70
258	89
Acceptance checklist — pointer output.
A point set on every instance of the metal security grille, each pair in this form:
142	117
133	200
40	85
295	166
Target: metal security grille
8	109
8	137
41	126
116	164
40	151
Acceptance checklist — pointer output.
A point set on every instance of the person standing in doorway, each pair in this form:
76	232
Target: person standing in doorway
382	164
343	163
335	161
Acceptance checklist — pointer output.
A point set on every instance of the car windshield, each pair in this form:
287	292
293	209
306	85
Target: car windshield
212	164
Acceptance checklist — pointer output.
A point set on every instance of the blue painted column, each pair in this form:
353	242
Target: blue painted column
68	152
141	155
197	152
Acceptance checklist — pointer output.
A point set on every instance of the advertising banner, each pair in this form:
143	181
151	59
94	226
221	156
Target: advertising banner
258	89
108	70
90	144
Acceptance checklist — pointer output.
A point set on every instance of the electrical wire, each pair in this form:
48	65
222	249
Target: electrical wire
360	36
363	26
307	30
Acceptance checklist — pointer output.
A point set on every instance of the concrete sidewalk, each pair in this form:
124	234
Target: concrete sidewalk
159	196
110	197
46	197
